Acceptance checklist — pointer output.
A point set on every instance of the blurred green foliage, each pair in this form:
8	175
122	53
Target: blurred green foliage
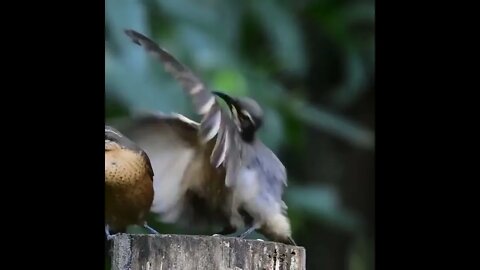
310	64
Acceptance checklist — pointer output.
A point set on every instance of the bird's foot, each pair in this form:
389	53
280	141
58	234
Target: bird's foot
292	242
150	229
247	232
107	233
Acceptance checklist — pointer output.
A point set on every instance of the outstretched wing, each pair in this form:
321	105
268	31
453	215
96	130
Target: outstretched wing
175	151
170	144
216	121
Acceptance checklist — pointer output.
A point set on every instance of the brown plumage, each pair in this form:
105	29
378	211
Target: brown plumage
128	182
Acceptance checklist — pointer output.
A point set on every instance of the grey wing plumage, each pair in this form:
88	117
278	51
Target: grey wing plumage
274	173
275	166
202	99
216	121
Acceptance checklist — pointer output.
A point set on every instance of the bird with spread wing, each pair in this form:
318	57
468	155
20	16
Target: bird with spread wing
215	171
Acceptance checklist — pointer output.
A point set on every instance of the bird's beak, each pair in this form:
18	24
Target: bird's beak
228	99
232	105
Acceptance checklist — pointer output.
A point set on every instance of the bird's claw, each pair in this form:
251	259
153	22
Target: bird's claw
152	230
247	232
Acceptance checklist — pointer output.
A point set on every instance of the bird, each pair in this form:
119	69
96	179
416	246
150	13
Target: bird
226	171
128	183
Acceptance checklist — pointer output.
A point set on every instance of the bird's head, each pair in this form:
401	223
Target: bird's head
246	113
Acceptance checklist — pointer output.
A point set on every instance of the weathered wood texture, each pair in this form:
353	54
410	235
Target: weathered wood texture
186	252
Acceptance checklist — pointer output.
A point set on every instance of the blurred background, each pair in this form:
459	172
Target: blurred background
310	65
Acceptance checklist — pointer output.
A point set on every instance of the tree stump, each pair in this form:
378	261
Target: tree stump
186	252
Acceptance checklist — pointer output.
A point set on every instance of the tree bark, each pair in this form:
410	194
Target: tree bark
185	252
